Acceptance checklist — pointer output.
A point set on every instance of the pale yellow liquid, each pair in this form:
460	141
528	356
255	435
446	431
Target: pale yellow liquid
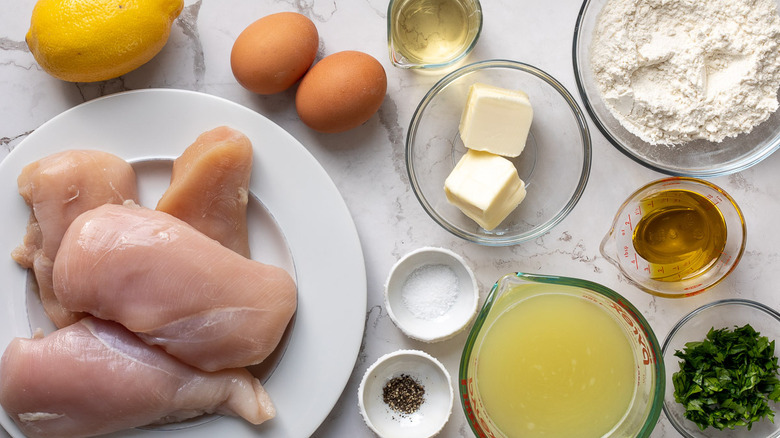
430	31
681	233
556	366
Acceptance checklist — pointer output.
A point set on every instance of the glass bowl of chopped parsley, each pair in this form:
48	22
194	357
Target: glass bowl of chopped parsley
722	371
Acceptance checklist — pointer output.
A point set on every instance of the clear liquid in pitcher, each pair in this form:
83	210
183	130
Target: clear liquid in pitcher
431	31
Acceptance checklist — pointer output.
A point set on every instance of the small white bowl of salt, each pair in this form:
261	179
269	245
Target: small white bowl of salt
431	294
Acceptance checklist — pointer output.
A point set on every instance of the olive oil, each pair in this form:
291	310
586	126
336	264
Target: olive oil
432	31
680	234
556	365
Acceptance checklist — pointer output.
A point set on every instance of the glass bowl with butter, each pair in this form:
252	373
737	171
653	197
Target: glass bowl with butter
498	152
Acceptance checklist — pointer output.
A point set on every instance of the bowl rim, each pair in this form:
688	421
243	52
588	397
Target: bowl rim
469	291
659	373
691	315
395	355
585	139
743	163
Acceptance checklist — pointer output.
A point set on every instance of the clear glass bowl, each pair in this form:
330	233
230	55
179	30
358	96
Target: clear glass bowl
513	290
555	164
694	327
698	158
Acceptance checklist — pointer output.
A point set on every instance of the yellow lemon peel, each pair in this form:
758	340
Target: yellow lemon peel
96	40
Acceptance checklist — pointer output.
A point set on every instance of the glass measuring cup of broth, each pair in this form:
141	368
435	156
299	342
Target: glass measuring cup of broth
556	356
676	237
432	34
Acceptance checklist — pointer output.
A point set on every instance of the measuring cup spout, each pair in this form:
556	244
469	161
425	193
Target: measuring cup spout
608	248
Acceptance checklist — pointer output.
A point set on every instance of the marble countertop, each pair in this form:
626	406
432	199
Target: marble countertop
367	163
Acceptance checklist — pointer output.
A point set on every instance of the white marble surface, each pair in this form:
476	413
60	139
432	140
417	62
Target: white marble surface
367	163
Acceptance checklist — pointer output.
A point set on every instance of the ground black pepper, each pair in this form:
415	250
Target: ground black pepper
403	394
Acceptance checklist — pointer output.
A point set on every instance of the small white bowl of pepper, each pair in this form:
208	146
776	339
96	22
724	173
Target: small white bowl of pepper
406	393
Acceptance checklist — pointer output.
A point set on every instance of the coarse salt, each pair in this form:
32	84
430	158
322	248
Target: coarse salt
430	291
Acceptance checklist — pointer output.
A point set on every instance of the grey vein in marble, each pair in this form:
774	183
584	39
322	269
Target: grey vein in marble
388	118
9	143
9	44
307	8
92	90
739	180
188	22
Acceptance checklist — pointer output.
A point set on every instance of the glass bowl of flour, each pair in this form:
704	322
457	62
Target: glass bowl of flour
684	88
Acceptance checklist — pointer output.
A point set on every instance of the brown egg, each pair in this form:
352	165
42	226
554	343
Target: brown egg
272	53
341	92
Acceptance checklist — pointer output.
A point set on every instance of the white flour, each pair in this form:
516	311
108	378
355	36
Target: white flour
672	71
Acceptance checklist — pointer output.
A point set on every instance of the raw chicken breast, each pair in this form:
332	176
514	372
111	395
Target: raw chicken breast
210	187
58	188
95	377
174	286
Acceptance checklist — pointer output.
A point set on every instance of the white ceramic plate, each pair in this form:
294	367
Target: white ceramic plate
298	220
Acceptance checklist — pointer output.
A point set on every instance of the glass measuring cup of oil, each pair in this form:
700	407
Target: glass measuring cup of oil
676	237
432	34
563	357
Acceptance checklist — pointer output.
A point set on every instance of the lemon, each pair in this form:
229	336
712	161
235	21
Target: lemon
95	40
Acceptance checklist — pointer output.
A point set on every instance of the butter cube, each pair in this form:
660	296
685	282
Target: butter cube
496	120
485	187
